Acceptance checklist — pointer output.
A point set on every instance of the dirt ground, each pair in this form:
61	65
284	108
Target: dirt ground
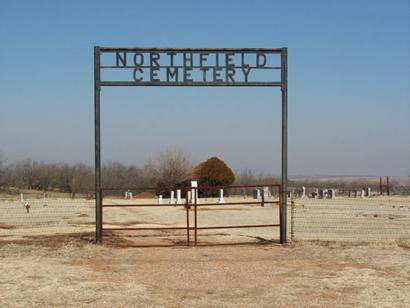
69	270
47	258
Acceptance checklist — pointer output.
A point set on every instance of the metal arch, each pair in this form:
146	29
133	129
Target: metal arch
283	84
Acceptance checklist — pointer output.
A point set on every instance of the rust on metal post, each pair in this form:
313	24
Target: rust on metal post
280	201
101	215
187	217
196	216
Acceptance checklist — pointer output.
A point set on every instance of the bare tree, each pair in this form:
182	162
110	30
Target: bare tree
118	175
168	169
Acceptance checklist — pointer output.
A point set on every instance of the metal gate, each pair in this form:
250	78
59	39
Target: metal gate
192	205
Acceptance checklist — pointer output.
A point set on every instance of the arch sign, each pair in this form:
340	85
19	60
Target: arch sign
210	67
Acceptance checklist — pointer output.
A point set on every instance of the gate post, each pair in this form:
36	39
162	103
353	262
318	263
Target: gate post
97	145
284	199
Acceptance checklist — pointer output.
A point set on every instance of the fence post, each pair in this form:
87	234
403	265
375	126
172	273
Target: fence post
196	216
101	218
187	216
292	221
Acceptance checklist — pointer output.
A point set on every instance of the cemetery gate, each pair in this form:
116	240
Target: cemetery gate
199	67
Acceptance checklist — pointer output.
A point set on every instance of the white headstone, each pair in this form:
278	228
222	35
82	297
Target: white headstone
368	191
289	194
362	193
22	197
172	201
303	195
266	193
179	196
160	199
194	192
189	196
128	195
221	196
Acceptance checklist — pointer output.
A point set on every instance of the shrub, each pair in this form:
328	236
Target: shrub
214	172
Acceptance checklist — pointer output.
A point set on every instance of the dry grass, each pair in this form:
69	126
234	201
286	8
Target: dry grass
70	271
66	269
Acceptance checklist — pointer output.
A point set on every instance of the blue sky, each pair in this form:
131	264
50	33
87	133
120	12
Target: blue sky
349	81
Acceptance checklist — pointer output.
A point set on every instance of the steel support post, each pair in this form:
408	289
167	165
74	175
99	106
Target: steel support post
284	199
97	144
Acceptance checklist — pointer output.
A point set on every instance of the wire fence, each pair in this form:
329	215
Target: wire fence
316	215
45	216
359	217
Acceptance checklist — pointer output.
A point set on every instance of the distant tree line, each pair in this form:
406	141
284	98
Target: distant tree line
169	169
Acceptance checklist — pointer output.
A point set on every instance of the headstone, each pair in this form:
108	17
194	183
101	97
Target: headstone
331	193
316	193
289	194
221	196
21	197
188	196
362	193
179	196
194	192
128	195
172	198
321	194
266	193
303	194
368	191
160	199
